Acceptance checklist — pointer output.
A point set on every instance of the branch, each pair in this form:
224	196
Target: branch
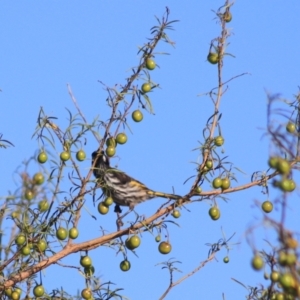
202	264
95	243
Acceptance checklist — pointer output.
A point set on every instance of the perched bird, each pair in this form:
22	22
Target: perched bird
125	190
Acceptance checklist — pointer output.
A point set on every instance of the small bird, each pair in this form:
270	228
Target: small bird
125	190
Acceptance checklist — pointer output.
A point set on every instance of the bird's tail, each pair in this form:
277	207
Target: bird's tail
164	195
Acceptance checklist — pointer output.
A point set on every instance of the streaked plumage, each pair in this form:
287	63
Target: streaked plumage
125	190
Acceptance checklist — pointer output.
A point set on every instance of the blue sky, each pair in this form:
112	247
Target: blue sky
47	45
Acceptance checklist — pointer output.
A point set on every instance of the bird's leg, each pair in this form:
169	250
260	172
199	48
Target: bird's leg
119	219
119	222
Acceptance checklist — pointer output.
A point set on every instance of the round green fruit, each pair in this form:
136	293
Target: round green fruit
15	214
279	296
291	259
213	57
41	245
65	155
18	290
226	259
121	138
164	247
290	127
102	208
86	261
273	161
291	243
157	238
219	141
15	295
86	294
43	205
146	87
133	242
217	183
125	265
282	257
214	213
108	201
287	281
38	178
61	233
287	185
283	167
225	183
275	276
20	239
8	292
25	250
42	157
176	213
111	142
267	206
73	233
38	291
137	116
29	195
150	64
80	155
205	169
198	190
110	151
284	184
209	164
257	262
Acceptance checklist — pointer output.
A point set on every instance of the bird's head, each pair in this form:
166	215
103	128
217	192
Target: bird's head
102	162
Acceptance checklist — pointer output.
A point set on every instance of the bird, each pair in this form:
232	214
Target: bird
124	189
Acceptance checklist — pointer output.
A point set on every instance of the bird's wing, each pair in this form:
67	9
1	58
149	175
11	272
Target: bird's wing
121	176
124	178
